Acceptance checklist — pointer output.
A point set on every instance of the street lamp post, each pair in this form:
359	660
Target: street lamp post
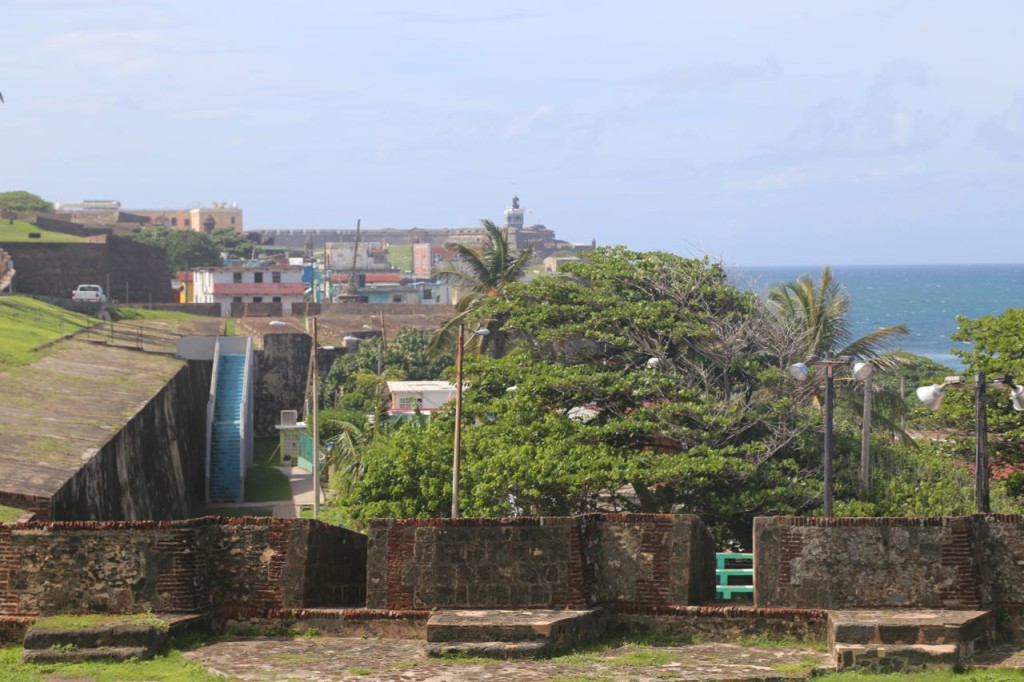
800	372
862	371
316	426
457	451
932	396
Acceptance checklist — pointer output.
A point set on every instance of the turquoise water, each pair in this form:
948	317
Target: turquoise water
927	298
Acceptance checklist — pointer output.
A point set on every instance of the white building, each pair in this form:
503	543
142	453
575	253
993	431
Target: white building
250	282
408	396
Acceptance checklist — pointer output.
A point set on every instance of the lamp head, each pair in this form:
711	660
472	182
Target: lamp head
863	371
799	371
931	396
1017	397
483	331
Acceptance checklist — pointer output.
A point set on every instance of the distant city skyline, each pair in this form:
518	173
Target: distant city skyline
786	133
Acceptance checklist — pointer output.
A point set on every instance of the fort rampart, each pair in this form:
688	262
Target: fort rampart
965	562
643	560
240	566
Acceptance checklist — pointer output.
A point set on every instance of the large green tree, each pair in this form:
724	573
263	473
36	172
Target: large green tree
479	273
23	202
637	382
185	249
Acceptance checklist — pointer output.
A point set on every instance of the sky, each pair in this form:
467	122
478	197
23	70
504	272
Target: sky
789	132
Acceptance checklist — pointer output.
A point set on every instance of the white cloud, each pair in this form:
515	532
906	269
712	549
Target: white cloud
1004	134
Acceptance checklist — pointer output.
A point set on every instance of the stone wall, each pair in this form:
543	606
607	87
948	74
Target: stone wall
127	270
152	468
282	368
539	562
248	566
955	563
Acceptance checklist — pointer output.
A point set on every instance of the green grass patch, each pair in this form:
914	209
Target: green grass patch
782	643
803	665
974	675
400	257
26	324
266	484
642	657
10	514
20	231
264	451
361	671
66	622
120	314
170	667
230	326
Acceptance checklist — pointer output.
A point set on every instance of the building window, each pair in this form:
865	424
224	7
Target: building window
406	403
236	299
257	277
275	277
174	222
396	298
236	277
427	295
257	299
232	220
188	222
276	299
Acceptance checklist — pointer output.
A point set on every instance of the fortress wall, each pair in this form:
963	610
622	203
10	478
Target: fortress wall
538	562
135	272
154	467
282	368
963	562
250	565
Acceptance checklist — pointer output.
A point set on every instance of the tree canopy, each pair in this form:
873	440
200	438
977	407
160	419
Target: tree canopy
185	249
23	202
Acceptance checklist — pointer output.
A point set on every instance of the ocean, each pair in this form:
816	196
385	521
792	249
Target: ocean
927	298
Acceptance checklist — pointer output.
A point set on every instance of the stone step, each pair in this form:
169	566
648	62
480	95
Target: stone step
146	637
492	632
970	629
896	658
119	653
488	649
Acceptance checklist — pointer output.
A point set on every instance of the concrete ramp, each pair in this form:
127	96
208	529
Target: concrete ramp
512	634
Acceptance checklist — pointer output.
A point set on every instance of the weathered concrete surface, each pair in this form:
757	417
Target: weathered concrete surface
329	658
107	431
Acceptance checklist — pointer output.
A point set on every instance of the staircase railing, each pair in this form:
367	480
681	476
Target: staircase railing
210	407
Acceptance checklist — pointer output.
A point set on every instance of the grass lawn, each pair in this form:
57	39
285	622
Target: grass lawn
26	324
170	667
121	314
400	256
10	514
264	482
19	231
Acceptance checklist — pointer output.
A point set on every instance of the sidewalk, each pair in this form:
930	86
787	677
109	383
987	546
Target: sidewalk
301	483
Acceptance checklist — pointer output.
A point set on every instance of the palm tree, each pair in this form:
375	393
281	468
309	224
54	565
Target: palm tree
479	273
814	317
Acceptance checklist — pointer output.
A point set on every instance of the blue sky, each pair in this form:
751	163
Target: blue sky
760	133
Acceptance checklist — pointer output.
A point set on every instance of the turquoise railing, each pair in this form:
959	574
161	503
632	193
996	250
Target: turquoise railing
734	575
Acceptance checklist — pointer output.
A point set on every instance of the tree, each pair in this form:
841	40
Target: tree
234	244
815	317
23	202
640	383
478	274
185	249
812	319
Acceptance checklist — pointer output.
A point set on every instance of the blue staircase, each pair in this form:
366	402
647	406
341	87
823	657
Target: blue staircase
227	465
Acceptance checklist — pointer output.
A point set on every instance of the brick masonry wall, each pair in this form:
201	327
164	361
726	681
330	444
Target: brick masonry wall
538	562
38	508
248	566
878	562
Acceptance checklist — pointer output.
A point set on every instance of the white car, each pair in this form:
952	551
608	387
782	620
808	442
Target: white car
92	293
